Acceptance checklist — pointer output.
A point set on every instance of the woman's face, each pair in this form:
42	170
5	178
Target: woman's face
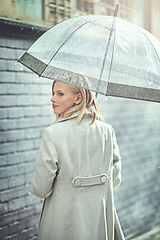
63	98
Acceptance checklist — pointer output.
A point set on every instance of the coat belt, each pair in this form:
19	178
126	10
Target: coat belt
90	181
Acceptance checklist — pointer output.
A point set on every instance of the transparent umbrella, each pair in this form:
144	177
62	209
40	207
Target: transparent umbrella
119	58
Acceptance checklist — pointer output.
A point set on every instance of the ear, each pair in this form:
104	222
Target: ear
78	98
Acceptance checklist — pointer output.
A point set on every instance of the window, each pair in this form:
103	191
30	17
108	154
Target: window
28	10
85	6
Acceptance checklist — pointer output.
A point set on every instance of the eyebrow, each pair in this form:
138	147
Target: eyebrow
58	90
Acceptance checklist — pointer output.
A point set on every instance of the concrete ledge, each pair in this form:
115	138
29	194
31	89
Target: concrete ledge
16	28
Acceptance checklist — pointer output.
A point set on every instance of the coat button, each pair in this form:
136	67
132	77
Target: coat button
77	182
103	179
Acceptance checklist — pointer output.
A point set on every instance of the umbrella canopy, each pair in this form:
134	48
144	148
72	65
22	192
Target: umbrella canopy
119	58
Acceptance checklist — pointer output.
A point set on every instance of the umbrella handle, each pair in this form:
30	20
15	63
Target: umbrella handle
116	10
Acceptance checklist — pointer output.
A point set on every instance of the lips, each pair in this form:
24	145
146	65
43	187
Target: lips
54	106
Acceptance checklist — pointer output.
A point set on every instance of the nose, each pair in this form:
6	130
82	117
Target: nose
52	99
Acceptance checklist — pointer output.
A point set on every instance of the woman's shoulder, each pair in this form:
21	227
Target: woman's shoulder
53	127
57	128
104	124
105	127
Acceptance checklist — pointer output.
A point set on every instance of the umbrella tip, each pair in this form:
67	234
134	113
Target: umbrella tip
116	10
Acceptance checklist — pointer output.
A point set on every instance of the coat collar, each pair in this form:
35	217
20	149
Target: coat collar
73	115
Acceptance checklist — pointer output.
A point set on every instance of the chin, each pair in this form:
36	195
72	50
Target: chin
56	112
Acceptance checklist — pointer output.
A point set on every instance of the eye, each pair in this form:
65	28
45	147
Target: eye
60	94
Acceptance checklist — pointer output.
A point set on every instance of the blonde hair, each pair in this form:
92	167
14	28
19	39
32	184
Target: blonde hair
89	102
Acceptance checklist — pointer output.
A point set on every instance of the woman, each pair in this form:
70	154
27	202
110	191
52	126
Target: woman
77	168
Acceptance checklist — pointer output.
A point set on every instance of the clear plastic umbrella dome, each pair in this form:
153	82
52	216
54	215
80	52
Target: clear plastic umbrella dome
119	58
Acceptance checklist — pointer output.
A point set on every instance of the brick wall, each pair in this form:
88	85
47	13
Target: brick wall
25	111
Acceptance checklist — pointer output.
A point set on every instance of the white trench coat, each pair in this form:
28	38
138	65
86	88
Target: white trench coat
77	168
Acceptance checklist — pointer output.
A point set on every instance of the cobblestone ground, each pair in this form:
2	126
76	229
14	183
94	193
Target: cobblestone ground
152	235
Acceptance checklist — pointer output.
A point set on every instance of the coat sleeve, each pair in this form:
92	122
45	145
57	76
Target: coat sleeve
116	163
45	167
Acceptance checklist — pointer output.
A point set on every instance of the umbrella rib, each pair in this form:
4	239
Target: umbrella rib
149	73
111	60
64	43
151	44
101	25
105	55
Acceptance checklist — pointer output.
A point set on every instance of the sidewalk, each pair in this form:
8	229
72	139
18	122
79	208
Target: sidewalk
152	235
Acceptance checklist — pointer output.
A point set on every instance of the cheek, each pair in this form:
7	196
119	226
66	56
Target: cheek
68	102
